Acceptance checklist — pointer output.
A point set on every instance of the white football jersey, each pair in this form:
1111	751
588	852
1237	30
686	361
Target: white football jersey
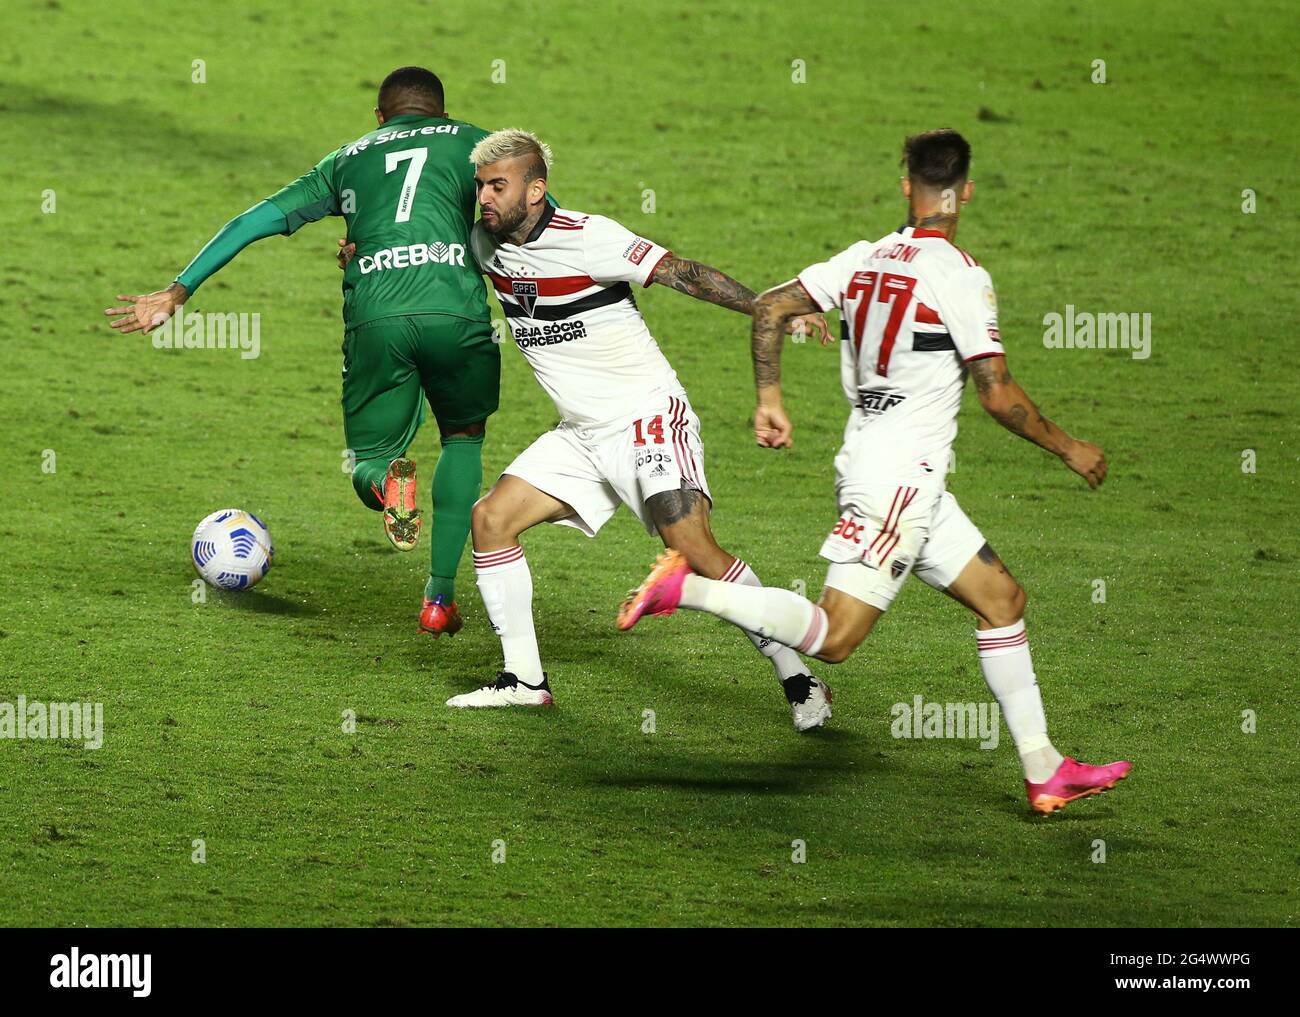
567	294
914	311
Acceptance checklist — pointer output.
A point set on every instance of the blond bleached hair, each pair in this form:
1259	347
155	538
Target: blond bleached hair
511	144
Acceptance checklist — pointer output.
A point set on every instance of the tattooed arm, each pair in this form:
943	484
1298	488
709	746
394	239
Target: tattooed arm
1007	403
772	310
704	282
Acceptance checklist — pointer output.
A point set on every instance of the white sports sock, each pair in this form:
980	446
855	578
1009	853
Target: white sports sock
778	614
506	586
1009	671
784	660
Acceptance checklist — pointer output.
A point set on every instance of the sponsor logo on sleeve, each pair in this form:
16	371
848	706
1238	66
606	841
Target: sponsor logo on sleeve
637	250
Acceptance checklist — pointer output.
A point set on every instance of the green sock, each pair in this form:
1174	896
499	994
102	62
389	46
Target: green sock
456	484
367	475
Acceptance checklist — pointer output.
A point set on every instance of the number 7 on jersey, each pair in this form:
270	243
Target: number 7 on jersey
417	156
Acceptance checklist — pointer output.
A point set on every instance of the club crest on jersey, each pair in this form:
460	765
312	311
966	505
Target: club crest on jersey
526	293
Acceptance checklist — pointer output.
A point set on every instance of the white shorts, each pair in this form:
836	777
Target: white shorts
595	472
887	531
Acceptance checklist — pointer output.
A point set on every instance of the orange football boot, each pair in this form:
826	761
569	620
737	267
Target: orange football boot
401	517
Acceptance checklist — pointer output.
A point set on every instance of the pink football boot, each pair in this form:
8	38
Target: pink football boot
1072	780
660	593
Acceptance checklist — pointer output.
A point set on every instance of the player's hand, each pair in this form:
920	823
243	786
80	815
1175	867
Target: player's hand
146	312
772	427
810	324
347	251
1087	460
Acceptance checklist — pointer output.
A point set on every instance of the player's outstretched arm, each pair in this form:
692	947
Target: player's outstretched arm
773	310
146	311
149	310
1006	402
703	282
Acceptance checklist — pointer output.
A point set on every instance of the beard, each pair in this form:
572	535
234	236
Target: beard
507	220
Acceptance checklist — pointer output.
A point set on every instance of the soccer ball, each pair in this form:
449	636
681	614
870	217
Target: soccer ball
232	549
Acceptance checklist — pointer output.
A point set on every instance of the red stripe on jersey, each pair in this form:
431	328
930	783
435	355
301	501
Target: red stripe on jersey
575	228
567	219
927	316
985	356
559	286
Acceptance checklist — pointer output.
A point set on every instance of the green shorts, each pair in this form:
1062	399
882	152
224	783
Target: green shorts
391	365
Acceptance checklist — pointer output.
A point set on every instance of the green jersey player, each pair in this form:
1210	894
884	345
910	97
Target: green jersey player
415	313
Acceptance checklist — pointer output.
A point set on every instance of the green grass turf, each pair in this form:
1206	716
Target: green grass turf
223	720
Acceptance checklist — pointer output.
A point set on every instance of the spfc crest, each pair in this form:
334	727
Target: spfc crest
526	293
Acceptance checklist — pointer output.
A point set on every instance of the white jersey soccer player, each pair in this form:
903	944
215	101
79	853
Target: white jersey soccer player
917	310
627	433
918	314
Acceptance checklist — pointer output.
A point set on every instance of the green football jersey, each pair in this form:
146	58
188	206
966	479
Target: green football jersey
406	191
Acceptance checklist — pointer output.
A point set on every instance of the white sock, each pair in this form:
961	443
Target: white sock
506	586
778	614
1007	667
784	660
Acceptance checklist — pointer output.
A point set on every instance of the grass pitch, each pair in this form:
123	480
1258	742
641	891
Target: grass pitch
223	720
